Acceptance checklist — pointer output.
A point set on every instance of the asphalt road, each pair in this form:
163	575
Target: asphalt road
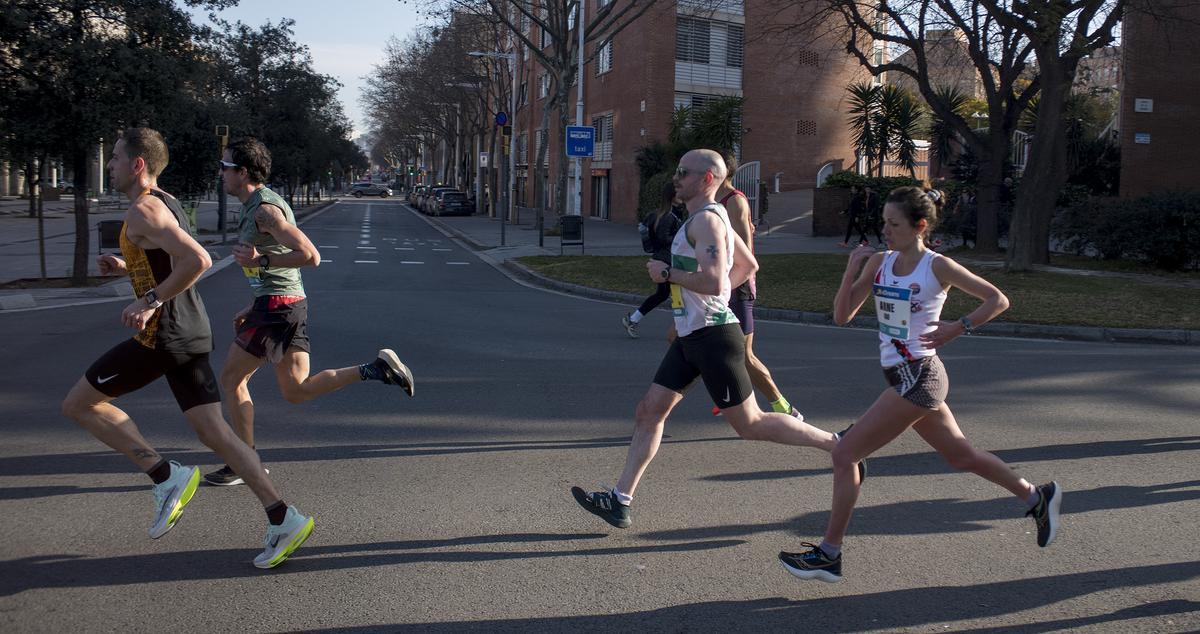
451	512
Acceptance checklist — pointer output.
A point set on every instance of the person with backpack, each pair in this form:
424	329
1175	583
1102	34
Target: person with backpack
658	230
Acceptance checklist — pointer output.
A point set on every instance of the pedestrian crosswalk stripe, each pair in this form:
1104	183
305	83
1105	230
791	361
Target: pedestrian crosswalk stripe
408	262
442	249
464	263
366	261
327	246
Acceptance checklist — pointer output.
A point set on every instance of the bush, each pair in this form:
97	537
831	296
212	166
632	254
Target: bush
1161	229
880	184
650	196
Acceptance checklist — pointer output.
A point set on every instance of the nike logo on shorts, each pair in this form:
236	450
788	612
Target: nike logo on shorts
106	379
727	399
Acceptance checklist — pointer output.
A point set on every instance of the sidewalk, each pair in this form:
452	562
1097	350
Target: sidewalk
19	249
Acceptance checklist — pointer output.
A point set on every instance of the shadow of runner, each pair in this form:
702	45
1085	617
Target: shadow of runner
112	462
929	463
79	571
908	608
946	515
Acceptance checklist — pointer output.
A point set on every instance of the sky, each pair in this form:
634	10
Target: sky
345	37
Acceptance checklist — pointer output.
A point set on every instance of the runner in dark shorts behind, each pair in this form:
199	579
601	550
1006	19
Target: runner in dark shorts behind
741	302
272	329
173	340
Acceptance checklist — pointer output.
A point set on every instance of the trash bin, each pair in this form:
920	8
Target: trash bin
572	232
110	234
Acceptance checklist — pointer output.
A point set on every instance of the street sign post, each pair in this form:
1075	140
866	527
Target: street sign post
483	159
581	141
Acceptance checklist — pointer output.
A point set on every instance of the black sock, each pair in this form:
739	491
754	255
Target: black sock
370	372
276	512
160	472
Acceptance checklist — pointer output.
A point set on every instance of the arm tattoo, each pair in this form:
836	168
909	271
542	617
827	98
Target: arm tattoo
712	251
266	219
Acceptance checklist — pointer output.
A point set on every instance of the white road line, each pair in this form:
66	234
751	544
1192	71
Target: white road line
462	263
325	260
407	262
404	248
366	248
327	246
364	242
366	261
443	249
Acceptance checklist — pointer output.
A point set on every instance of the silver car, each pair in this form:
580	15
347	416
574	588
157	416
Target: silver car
358	190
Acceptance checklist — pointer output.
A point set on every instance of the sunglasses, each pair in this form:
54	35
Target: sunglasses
226	165
682	171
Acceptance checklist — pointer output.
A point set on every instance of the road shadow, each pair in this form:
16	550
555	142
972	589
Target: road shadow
29	493
930	463
111	462
79	571
908	608
946	515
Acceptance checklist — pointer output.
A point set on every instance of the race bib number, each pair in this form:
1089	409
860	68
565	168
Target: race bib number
253	276
893	310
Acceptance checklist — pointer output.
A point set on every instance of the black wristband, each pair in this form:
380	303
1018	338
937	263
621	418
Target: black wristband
264	261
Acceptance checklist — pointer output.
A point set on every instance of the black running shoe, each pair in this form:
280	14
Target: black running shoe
813	564
393	371
1045	512
604	504
225	477
862	464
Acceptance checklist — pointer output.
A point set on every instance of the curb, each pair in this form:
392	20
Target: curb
994	329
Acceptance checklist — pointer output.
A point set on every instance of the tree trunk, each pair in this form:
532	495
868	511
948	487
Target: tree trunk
560	193
539	171
79	267
1045	175
988	201
41	233
32	182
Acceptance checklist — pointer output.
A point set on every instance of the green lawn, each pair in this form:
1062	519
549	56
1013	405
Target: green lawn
808	282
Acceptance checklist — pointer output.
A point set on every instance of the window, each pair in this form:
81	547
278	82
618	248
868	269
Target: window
604	59
523	95
523	149
604	137
541	140
734	45
546	39
543	85
692	40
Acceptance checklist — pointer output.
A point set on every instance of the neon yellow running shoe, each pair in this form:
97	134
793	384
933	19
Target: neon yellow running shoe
282	540
171	496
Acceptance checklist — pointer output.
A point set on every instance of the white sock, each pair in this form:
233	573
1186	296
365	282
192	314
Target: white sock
623	498
636	316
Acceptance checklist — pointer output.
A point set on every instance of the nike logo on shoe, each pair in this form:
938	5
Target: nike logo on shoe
106	379
275	541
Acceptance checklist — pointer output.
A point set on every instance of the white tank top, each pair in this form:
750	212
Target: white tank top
692	310
906	307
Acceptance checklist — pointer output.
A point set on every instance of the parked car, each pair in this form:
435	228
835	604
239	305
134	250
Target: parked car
415	193
358	190
454	204
429	203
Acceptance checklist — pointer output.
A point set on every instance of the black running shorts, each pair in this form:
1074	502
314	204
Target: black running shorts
274	325
130	366
743	309
715	353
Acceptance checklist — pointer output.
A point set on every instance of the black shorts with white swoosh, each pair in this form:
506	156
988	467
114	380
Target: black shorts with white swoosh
716	354
130	366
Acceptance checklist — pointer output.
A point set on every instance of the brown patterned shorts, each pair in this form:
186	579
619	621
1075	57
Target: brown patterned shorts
922	382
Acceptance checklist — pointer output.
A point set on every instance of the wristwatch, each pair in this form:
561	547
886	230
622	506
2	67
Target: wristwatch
264	262
968	327
152	299
666	274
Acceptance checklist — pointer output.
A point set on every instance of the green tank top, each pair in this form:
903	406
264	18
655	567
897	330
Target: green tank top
273	280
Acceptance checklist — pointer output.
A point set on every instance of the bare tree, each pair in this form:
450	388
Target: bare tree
547	30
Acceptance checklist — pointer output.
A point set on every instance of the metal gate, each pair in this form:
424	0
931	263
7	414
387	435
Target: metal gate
746	178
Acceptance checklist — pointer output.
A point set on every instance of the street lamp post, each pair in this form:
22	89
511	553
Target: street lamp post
579	111
512	140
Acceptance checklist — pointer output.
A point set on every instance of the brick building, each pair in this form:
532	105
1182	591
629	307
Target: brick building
1160	116
683	54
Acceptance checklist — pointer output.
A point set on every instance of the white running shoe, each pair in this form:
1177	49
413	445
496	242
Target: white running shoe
171	496
281	541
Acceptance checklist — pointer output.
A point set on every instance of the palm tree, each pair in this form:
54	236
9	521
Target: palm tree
897	118
864	104
941	135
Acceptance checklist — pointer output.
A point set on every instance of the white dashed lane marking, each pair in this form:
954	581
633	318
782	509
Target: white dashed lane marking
366	261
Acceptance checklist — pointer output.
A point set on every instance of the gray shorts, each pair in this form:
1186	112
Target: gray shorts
923	382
